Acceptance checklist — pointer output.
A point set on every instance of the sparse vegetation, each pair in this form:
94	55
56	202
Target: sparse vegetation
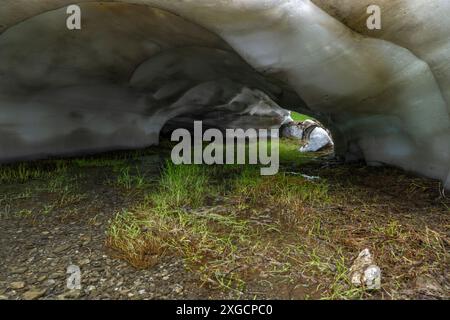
283	236
128	178
24	172
182	186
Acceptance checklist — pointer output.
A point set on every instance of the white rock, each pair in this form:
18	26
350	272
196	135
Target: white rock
372	277
318	139
292	131
364	272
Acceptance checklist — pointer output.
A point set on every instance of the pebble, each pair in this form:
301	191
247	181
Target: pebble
41	278
178	289
72	294
17	285
33	294
62	248
56	275
50	282
19	270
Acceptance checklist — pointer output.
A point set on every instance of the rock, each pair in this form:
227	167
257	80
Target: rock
70	295
33	294
372	277
364	273
178	289
86	239
316	136
292	131
50	282
84	262
19	270
61	248
56	275
42	278
17	285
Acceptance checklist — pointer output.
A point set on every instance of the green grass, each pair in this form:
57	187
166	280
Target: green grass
182	186
25	172
130	178
300	117
234	228
215	244
290	155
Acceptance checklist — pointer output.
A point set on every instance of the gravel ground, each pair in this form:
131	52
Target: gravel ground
34	258
36	252
38	244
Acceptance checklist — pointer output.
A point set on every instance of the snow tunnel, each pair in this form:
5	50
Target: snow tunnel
136	66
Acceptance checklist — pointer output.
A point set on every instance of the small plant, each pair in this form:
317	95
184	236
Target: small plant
182	186
24	172
128	180
19	174
134	240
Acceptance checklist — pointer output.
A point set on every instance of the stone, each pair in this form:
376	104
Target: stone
291	130
84	262
17	285
56	275
316	137
62	248
42	278
178	289
34	294
86	239
50	282
70	295
19	270
372	277
364	273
